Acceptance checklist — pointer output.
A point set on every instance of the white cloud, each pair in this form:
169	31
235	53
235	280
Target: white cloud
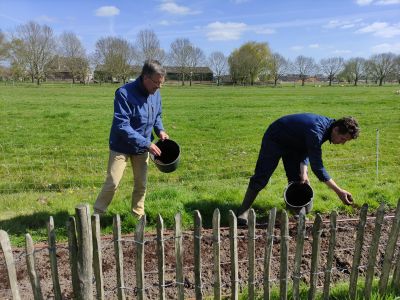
264	30
381	29
173	8
379	2
107	11
297	48
218	31
341	52
240	1
313	46
343	24
383	48
45	19
364	2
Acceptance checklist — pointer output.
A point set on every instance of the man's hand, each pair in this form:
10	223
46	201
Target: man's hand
304	174
163	135
153	149
345	196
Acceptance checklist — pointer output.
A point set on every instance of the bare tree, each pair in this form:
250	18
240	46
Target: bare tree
354	68
148	46
4	46
218	63
36	46
180	55
304	67
114	56
331	67
397	68
382	65
196	58
73	55
277	66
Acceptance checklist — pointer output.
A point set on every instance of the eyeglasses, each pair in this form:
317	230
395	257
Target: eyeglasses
156	83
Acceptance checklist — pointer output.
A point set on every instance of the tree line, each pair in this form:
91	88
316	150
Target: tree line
33	52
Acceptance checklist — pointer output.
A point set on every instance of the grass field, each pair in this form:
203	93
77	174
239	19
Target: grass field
54	149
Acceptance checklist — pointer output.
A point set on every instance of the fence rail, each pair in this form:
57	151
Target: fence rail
85	248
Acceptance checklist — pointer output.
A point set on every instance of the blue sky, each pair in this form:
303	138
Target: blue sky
320	29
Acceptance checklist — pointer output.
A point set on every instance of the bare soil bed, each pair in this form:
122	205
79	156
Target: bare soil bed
346	234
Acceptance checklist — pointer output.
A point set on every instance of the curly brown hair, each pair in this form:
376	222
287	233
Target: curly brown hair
347	125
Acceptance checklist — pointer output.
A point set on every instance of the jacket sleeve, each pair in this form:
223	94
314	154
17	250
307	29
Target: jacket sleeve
315	157
158	124
122	117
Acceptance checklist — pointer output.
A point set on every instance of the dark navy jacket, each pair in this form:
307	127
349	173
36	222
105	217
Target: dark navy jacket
304	134
136	113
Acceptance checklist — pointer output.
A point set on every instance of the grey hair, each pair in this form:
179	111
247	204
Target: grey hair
152	67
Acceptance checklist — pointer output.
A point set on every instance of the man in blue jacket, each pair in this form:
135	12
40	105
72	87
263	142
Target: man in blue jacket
137	112
297	139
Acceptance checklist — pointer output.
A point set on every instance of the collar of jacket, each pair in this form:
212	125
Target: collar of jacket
328	133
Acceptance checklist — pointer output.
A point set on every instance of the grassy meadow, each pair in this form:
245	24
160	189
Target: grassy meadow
54	151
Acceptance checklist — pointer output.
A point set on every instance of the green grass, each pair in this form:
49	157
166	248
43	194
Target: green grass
54	150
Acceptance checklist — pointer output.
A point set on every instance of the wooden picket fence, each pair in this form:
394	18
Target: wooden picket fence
85	257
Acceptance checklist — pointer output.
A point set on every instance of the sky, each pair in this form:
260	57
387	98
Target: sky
318	29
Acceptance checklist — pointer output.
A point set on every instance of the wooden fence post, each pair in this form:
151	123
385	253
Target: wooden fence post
390	248
139	243
357	252
119	257
268	252
251	252
31	266
234	256
179	256
373	249
316	247
284	255
97	257
73	255
301	232
331	253
216	251
197	254
160	257
8	256
53	258
85	251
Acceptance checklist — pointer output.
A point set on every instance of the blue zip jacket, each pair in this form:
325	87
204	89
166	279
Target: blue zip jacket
136	113
304	134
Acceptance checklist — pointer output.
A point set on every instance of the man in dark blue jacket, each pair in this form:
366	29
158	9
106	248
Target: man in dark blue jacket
137	112
297	139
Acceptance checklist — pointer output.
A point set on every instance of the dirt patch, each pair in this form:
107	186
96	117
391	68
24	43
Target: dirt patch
346	234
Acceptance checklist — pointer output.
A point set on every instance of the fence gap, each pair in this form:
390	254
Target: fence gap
179	256
10	264
53	258
97	257
373	250
31	266
284	255
330	256
118	257
216	251
197	254
160	257
139	264
301	232
268	252
234	256
316	247
391	244
251	249
73	254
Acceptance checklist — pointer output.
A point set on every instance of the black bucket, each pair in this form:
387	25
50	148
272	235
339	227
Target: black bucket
298	195
170	155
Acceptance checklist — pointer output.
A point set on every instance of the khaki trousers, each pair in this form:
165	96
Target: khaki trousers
116	166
